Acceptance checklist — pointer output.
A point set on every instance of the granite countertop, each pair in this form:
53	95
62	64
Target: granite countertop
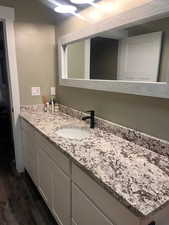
135	175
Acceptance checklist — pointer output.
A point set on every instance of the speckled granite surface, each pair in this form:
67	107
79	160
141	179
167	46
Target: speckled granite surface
132	166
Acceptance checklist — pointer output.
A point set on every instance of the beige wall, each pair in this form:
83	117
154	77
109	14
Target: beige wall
35	47
150	115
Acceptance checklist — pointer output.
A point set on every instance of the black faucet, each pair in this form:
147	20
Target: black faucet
91	117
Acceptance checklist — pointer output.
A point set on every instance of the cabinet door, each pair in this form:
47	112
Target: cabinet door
44	175
61	194
26	151
84	212
30	151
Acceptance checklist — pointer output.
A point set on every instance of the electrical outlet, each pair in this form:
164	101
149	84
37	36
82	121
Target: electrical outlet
53	91
35	91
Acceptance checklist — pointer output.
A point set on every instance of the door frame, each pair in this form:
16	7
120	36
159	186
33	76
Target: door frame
7	16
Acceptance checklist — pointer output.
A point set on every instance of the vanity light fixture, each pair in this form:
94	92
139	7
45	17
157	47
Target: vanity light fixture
65	9
90	2
78	2
62	8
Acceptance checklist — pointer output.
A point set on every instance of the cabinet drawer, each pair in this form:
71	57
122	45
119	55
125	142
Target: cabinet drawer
60	159
111	207
84	212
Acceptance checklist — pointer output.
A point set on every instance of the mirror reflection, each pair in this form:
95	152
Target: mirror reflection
138	53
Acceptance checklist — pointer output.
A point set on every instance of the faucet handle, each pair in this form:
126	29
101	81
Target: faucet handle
91	117
90	111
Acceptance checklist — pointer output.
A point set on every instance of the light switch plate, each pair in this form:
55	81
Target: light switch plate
35	91
53	91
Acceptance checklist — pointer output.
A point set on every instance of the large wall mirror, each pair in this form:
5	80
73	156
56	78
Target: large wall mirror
119	55
133	58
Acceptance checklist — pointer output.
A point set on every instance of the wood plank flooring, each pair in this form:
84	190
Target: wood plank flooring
20	202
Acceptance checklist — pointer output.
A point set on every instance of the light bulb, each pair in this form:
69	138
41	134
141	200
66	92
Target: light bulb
82	1
65	9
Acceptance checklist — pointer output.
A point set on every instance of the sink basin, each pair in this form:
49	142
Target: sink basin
73	132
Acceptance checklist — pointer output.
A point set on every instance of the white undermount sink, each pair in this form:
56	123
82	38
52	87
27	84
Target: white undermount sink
73	132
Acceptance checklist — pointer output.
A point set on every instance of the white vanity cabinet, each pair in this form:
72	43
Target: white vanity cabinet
74	197
29	150
84	212
87	194
50	171
53	184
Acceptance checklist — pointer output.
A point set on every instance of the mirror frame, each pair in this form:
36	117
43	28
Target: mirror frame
155	9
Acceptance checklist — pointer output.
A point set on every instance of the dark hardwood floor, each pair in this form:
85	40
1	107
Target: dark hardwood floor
20	202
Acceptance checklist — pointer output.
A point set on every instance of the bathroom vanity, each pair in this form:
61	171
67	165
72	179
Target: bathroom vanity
115	176
109	175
